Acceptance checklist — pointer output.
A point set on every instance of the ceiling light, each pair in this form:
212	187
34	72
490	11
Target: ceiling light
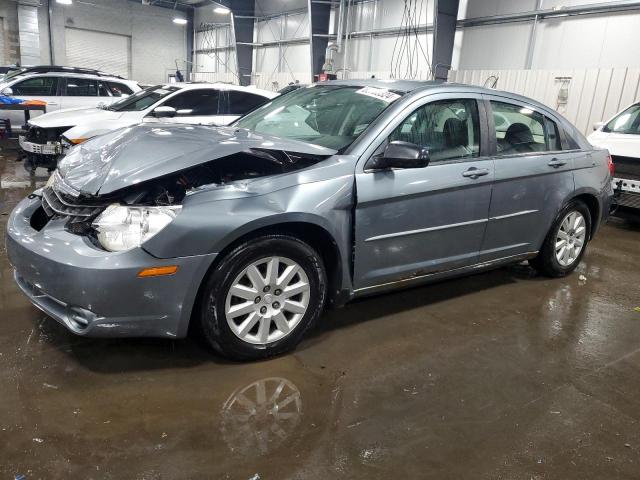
222	10
180	21
65	2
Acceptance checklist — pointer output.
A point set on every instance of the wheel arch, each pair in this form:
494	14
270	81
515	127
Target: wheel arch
591	200
313	233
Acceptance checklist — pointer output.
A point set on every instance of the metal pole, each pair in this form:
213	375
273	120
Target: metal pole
375	17
532	38
51	50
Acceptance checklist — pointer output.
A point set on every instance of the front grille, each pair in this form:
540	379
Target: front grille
57	204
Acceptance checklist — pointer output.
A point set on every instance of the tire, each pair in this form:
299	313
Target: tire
250	325
553	262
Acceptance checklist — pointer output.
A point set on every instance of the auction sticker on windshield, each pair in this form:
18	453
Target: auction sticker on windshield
379	93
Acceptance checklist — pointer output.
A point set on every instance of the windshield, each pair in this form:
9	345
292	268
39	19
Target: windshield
331	116
13	72
142	99
628	121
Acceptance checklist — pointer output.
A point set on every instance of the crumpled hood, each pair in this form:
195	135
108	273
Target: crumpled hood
135	154
74	116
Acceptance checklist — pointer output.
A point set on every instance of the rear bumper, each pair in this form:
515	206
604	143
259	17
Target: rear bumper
97	293
627	193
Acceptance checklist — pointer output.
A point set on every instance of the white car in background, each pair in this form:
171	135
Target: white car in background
621	136
63	87
188	103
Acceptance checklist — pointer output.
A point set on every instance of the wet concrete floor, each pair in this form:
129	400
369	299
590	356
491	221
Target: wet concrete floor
503	375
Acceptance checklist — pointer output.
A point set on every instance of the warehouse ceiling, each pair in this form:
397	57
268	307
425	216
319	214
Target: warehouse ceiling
178	4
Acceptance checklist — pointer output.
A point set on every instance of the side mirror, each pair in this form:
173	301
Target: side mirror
398	154
598	125
8	91
164	112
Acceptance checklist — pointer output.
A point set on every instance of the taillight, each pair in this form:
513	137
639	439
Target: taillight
612	167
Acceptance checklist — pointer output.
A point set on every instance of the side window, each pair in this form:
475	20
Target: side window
234	102
195	102
521	130
82	87
119	89
45	86
449	129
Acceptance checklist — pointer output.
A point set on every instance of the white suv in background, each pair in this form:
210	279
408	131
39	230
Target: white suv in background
190	103
621	136
63	87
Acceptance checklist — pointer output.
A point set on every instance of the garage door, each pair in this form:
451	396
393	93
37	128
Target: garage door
103	51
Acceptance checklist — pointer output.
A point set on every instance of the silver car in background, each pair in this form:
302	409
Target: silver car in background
327	193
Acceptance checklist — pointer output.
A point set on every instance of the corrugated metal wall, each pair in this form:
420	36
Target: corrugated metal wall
594	94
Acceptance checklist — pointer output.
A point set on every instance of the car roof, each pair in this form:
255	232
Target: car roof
221	86
399	85
63	68
409	86
92	76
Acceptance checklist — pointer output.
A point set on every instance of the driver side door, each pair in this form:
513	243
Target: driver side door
419	221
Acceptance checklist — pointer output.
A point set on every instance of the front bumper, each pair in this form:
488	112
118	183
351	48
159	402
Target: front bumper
49	148
97	293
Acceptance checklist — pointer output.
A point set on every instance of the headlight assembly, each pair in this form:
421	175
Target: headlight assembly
121	227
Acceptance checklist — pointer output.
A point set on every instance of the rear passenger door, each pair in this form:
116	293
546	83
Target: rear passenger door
533	176
84	92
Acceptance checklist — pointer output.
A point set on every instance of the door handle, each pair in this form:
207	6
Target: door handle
474	172
55	104
555	163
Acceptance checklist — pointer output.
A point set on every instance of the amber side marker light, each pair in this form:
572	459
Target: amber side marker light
158	271
76	141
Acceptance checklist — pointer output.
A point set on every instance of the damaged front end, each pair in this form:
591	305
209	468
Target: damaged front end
107	191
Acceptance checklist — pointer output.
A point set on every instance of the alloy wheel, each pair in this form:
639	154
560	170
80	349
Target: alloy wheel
267	300
571	238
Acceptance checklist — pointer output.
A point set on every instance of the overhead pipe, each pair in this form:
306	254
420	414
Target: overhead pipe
340	31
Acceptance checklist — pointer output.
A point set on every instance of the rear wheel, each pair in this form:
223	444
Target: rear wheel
566	242
263	297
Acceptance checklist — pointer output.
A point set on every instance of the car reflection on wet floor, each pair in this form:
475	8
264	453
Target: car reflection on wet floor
500	375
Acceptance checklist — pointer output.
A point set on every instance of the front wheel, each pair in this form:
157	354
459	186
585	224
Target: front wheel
262	297
566	242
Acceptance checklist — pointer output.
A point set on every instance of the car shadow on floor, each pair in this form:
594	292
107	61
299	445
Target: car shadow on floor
146	354
393	303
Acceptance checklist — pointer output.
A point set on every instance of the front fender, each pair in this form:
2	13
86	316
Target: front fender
205	227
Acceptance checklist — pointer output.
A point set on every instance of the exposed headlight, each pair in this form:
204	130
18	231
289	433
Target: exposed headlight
122	228
51	180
